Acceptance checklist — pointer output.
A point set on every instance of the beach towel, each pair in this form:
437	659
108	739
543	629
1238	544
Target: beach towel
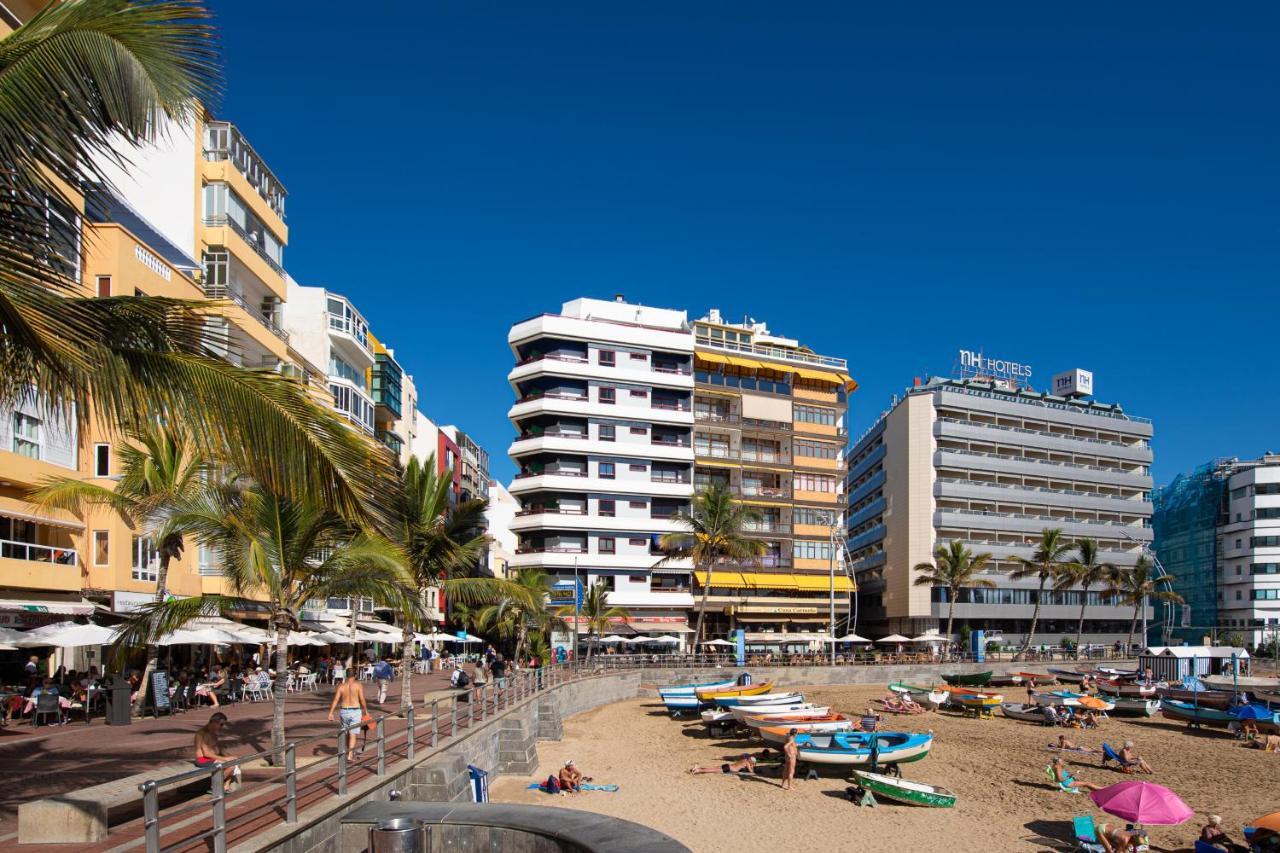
586	786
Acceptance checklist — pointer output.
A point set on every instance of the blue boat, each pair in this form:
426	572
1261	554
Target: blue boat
1195	715
683	697
858	747
762	699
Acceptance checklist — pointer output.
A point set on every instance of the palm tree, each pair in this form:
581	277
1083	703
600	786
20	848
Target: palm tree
280	553
160	473
1044	565
596	612
441	543
83	84
1136	585
954	566
512	617
714	533
1084	571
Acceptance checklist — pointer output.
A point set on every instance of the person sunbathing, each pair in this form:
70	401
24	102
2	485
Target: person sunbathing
1118	839
1214	835
571	778
1129	758
1067	782
1271	743
1087	720
910	705
1071	746
746	765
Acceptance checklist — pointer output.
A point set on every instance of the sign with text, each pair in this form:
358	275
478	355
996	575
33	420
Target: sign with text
160	689
563	593
1073	383
976	364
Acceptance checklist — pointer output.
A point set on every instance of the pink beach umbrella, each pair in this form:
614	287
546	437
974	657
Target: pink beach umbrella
1143	802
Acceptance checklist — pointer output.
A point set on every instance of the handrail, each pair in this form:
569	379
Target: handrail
1046	434
1080	492
1032	461
221	291
56	555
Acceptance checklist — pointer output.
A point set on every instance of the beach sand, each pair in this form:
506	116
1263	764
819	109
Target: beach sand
996	768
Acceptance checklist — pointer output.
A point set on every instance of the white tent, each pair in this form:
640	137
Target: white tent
665	639
300	638
201	637
613	638
67	635
469	639
930	637
894	638
717	643
853	638
11	635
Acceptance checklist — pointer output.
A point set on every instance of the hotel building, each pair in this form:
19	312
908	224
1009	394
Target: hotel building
770	426
992	464
604	447
1218	533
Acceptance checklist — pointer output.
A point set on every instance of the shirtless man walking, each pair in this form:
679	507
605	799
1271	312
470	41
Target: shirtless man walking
790	752
348	701
209	752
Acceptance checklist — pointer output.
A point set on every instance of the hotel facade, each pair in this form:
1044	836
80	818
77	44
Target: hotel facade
992	464
623	411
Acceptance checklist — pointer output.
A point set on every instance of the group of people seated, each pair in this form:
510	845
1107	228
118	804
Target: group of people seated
73	689
1261	840
903	704
1068	717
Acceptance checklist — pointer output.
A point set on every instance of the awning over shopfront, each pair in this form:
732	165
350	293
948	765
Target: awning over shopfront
642	627
62	607
711	357
20	509
772	637
774	580
728	580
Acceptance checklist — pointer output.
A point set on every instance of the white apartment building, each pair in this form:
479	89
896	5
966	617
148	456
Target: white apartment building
993	465
328	330
498	515
1249	592
604	422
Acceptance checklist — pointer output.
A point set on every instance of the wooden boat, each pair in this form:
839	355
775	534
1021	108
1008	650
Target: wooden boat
1128	689
1220	699
688	689
973	679
1023	711
708	694
1037	678
779	714
932	698
911	689
905	790
762	699
1007	680
1069	698
726	716
982	704
1195	715
857	747
1242	682
1270	698
826	724
1067	676
1136	707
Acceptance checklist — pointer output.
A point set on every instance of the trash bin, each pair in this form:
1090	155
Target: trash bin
119	710
399	835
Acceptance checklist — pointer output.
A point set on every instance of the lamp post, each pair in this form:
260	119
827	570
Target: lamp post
577	606
832	600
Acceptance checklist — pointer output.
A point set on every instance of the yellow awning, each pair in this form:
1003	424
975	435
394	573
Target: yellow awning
20	509
711	357
820	375
745	363
818	583
766	580
850	384
730	580
715	463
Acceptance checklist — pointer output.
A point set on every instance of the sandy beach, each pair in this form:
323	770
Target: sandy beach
996	768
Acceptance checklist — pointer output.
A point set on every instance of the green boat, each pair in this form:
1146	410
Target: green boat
969	679
910	689
906	791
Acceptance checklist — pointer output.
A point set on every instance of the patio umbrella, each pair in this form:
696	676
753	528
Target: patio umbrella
894	638
201	637
1143	802
9	635
66	635
930	637
470	638
665	639
5	647
1267	821
853	638
613	638
717	643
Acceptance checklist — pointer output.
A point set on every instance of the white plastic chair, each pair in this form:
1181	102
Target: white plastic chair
338	673
255	691
309	682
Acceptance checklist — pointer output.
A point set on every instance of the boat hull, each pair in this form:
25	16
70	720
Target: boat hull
968	679
690	689
1024	712
1059	697
1037	678
763	699
1183	712
906	791
1136	707
777	732
1068	676
1218	699
779	716
710	694
1011	680
853	748
1127	690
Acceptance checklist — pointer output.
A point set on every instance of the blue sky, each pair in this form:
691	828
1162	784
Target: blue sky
1093	185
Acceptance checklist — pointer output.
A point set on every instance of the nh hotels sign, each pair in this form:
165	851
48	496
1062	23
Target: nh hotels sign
976	364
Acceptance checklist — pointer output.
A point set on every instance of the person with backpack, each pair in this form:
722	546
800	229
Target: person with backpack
461	681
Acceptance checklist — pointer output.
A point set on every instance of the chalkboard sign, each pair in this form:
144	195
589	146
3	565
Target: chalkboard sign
160	690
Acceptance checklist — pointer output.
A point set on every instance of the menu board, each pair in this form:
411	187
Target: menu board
160	689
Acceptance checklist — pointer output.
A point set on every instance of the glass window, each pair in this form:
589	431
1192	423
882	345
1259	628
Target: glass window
608	396
607	432
101	548
607	357
146	559
639	392
607	507
26	435
639	430
605	470
638	467
102	460
606	545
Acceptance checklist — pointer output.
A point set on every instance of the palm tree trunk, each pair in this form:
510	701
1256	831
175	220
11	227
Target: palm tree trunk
153	651
1133	626
279	689
1035	618
1084	599
702	608
951	611
406	677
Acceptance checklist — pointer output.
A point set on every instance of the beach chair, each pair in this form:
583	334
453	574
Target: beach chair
1109	755
1087	835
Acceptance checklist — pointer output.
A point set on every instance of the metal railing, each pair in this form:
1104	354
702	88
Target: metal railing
219	291
224	220
32	553
1034	461
1044	433
985	484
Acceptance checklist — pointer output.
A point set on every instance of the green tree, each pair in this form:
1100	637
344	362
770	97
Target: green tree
441	542
1136	586
1044	565
160	473
596	613
280	553
1084	571
954	567
514	617
714	533
82	85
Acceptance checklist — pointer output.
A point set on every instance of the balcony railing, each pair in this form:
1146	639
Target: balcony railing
672	405
553	395
1139	523
219	291
573	359
659	477
673	369
744	455
670	442
12	550
764	491
757	423
554	433
1044	433
1034	461
223	141
550	510
989	485
774	352
552	472
224	220
552	549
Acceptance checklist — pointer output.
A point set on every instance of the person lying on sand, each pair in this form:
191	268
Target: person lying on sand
1271	743
1118	839
1071	746
1130	758
1067	782
746	765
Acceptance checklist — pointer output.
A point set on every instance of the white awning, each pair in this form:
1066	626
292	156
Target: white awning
15	508
67	635
640	626
36	605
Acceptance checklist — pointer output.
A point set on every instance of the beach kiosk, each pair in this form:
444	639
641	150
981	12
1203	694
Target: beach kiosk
1174	663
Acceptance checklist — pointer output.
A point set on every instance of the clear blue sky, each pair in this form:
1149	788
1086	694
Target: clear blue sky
1092	185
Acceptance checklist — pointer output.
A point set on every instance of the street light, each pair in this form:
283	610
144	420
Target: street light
577	600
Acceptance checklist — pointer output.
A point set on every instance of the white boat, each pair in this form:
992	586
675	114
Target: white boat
718	716
1138	707
750	717
762	699
1226	682
779	733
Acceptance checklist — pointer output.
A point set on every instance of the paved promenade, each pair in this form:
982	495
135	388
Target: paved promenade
39	762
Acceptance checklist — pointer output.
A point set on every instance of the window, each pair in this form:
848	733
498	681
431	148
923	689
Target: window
104	285
101	548
816	449
1262	542
607	432
639	356
102	460
26	435
606	545
814	483
638	541
813	550
637	466
607	357
1265	569
1262	594
1267	513
607	507
822	517
814	415
146	559
636	504
639	430
1238	595
608	396
605	471
639	392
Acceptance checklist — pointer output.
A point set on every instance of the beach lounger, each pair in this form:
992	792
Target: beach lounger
1109	754
1087	835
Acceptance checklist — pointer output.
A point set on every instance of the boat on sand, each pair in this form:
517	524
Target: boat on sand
858	747
1130	706
1024	712
970	679
708	694
905	790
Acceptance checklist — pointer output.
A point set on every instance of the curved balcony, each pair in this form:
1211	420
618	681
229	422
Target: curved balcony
559	520
580	406
523	484
583	368
579	443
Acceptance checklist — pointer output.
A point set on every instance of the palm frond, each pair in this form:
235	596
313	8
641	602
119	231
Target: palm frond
158	618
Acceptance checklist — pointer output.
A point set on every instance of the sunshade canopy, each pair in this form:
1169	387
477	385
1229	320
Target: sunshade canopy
853	638
67	635
1143	802
894	638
